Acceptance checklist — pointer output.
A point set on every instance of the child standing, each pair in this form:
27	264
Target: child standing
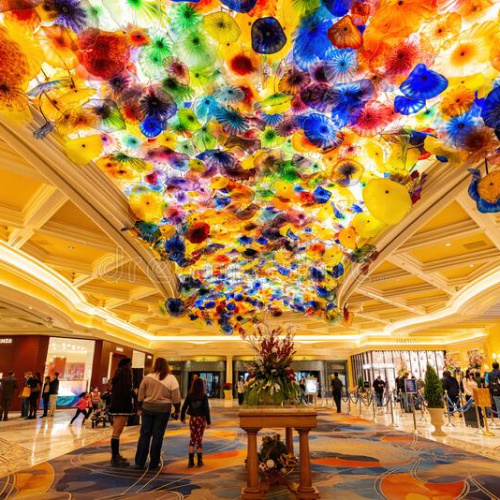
196	406
82	406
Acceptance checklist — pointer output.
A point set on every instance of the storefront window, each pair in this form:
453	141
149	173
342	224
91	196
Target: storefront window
72	359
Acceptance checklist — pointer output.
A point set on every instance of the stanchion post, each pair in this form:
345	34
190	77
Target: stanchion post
391	403
478	418
348	403
374	408
360	403
446	399
412	406
486	431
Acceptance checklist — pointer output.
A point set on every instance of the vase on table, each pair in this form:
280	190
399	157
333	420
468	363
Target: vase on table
437	420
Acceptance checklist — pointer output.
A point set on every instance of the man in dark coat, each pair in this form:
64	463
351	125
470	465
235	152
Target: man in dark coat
337	386
9	385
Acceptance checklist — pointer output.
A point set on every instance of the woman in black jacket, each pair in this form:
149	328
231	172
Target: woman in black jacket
35	384
122	393
196	406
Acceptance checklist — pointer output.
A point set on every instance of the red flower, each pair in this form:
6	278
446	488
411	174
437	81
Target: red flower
198	232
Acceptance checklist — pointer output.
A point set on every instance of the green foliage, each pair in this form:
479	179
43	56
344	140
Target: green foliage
361	384
433	390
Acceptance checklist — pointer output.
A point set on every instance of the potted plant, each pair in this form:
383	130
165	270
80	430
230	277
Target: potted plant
361	385
228	390
433	392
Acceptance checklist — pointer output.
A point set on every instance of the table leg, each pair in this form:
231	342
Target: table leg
289	440
305	491
253	489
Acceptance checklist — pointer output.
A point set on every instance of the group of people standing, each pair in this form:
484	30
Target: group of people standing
31	392
159	400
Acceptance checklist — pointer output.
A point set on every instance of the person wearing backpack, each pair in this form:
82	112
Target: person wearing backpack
493	384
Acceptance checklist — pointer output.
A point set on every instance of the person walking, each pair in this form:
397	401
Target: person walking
45	396
240	389
337	386
35	385
121	408
197	407
492	381
8	386
379	388
25	395
158	392
83	406
54	391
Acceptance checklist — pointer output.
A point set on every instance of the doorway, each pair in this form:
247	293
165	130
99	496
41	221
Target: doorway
212	382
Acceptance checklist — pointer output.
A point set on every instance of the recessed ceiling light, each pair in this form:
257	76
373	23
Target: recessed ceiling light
448	244
71	247
471	265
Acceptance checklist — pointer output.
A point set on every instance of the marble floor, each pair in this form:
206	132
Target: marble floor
24	443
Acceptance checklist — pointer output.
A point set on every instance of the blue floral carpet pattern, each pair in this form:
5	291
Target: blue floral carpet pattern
351	459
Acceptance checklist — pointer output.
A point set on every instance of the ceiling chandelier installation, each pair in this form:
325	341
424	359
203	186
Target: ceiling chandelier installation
261	143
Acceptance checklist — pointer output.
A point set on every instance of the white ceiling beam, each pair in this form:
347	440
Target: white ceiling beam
103	267
461	260
378	295
13	162
11	217
40	208
78	235
413	266
71	265
138	294
487	222
441	234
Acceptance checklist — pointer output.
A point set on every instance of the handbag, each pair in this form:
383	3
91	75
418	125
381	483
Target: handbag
26	393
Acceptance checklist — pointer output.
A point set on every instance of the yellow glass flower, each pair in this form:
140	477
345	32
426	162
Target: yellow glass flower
146	204
83	150
222	27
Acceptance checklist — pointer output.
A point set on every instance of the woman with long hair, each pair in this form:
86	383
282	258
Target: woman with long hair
470	383
158	392
197	407
122	393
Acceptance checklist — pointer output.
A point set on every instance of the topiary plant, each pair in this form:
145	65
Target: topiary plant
361	384
433	390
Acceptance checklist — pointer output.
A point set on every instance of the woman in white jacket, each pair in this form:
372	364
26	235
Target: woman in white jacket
469	384
158	392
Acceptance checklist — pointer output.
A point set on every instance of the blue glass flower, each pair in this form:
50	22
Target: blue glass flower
231	120
460	126
174	307
322	131
240	5
152	127
268	36
342	65
490	112
423	83
339	8
406	106
321	195
311	40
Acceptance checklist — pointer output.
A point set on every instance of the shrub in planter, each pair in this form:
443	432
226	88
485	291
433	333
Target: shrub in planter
433	390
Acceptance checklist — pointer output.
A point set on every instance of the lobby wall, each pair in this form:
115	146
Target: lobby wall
23	353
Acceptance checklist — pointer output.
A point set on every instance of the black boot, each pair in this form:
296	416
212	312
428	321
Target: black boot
191	460
116	459
200	459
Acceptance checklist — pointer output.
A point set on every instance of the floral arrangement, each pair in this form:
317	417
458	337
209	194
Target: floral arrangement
227	386
272	380
402	370
450	363
274	456
476	358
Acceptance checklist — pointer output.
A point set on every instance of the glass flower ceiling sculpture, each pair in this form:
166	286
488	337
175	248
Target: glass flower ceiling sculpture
261	142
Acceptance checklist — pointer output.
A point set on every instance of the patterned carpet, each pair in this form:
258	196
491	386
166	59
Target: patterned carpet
352	459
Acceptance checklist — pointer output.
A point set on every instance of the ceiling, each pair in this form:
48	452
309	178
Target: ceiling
67	249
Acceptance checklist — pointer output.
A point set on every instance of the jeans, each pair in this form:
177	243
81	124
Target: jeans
85	414
379	396
45	399
496	400
241	398
150	442
25	408
6	402
337	397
